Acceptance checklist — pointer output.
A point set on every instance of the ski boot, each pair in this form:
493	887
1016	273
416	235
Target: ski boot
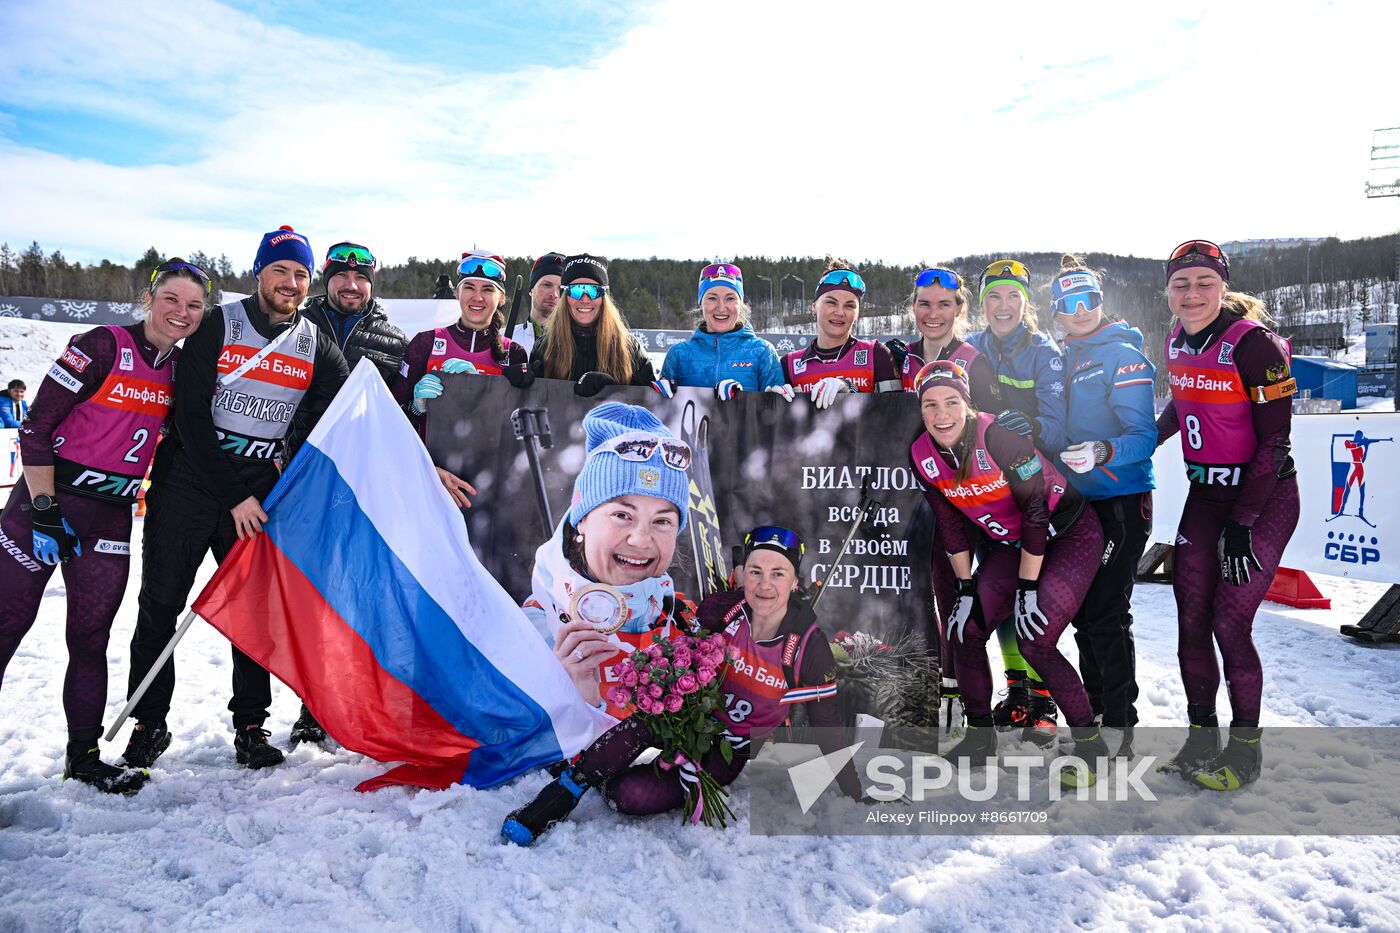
1090	748
1238	765
1125	744
251	748
83	764
952	717
307	729
977	745
1039	725
1202	744
1010	713
558	799
148	741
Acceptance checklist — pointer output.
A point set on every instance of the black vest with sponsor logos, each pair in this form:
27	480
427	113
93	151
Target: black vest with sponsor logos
253	409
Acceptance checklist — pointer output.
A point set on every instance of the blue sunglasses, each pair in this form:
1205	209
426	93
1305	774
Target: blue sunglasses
945	277
1082	301
586	290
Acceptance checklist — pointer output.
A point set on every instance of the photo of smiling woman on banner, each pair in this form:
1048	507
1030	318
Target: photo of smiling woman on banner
601	584
1231	401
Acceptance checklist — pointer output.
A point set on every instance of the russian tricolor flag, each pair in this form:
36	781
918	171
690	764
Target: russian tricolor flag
364	596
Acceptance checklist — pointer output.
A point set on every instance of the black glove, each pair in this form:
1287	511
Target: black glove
1237	553
519	376
54	540
590	384
899	350
1013	420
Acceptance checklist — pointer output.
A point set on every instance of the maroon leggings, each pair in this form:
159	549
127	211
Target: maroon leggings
644	789
95	584
1210	611
1071	560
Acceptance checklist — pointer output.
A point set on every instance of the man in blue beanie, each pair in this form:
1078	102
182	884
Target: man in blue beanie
252	371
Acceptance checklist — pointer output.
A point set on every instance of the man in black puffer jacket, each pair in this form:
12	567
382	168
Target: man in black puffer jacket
348	314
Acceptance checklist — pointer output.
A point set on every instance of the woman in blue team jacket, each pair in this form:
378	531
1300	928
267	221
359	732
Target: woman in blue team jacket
724	353
1112	434
1030	385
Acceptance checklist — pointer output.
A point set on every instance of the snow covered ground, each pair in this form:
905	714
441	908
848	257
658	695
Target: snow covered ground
208	844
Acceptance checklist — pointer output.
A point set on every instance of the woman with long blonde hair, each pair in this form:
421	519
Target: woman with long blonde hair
590	344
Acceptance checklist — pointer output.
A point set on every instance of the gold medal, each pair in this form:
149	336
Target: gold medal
601	606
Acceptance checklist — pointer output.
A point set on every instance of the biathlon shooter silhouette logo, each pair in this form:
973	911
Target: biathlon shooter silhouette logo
1349	473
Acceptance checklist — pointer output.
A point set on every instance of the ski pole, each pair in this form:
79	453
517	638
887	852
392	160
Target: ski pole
529	424
151	675
867	505
514	307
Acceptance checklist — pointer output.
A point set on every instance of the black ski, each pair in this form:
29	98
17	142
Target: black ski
706	541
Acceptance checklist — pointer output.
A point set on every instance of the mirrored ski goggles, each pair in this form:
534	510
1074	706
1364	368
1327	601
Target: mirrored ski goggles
641	446
179	265
775	538
1007	269
1204	247
721	270
944	277
482	267
1082	301
937	371
843	278
588	290
352	255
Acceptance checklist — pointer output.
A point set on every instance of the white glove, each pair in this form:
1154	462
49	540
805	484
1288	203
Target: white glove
825	391
664	386
455	365
785	390
727	389
1083	457
962	609
1030	621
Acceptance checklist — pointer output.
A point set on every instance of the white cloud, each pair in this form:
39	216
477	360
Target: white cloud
877	130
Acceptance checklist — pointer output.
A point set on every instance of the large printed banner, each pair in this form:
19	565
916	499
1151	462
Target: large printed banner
1348	484
758	460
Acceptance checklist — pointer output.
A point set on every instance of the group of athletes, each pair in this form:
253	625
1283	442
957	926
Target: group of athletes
1036	462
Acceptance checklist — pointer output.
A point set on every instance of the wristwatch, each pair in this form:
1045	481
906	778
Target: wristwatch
41	503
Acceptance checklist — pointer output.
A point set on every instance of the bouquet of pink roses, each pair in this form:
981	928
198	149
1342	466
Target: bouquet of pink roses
675	685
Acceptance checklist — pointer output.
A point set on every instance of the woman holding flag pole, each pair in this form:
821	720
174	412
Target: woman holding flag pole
98	413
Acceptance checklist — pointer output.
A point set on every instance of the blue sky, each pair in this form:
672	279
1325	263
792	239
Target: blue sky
900	131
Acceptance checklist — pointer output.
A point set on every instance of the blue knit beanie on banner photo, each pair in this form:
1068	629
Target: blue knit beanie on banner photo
606	475
284	243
